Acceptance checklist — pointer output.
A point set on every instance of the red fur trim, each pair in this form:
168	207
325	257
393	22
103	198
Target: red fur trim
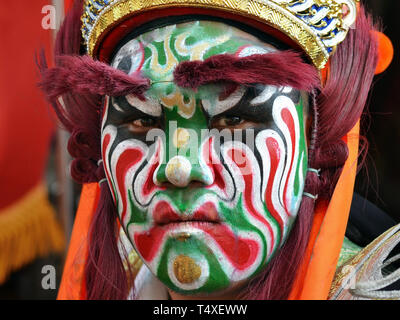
83	75
284	68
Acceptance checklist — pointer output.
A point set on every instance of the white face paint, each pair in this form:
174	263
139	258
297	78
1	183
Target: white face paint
204	223
149	106
215	106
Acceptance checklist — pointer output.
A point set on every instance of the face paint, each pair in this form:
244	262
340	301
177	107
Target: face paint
209	194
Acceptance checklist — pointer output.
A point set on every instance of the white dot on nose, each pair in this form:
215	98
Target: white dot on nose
178	171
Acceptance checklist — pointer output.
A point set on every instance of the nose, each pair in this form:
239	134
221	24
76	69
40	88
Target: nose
184	165
180	172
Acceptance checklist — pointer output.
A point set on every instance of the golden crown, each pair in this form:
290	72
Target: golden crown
318	26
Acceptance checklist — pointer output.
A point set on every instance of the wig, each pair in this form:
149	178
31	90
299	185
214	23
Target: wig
335	109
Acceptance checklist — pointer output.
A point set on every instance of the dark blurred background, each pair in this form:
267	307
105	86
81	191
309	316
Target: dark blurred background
379	180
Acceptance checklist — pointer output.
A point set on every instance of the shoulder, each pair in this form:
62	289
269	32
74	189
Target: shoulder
373	273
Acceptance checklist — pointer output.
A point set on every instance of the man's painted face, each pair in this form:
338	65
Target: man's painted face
207	182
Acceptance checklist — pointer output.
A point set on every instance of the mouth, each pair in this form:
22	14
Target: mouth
205	215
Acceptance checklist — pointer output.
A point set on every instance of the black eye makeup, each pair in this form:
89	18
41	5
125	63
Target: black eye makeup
125	115
254	110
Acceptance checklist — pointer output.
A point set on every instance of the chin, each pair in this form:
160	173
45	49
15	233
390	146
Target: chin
232	292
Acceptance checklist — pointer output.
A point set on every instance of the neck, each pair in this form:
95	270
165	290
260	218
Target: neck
232	294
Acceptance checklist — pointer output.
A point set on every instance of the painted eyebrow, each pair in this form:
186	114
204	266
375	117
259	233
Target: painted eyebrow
278	68
232	100
147	107
226	104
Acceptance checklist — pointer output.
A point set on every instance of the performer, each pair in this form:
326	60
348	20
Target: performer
221	141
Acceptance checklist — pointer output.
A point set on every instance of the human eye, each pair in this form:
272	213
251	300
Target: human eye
232	122
142	125
227	121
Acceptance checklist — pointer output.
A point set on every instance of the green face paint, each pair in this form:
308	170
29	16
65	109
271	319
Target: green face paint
207	184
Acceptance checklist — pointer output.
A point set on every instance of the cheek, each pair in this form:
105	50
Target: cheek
121	159
284	162
270	177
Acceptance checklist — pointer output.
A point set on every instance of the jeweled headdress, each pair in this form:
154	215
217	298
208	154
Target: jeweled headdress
317	26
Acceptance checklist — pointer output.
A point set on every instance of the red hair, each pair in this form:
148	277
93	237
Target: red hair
335	110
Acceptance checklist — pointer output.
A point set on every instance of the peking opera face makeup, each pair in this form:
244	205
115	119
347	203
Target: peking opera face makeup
207	182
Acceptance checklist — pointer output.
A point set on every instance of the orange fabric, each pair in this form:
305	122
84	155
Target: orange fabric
72	284
385	52
316	274
317	221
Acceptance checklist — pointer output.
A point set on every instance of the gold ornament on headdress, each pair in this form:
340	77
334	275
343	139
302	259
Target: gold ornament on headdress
318	26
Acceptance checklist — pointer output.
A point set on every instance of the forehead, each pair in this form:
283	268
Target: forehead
163	48
157	52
